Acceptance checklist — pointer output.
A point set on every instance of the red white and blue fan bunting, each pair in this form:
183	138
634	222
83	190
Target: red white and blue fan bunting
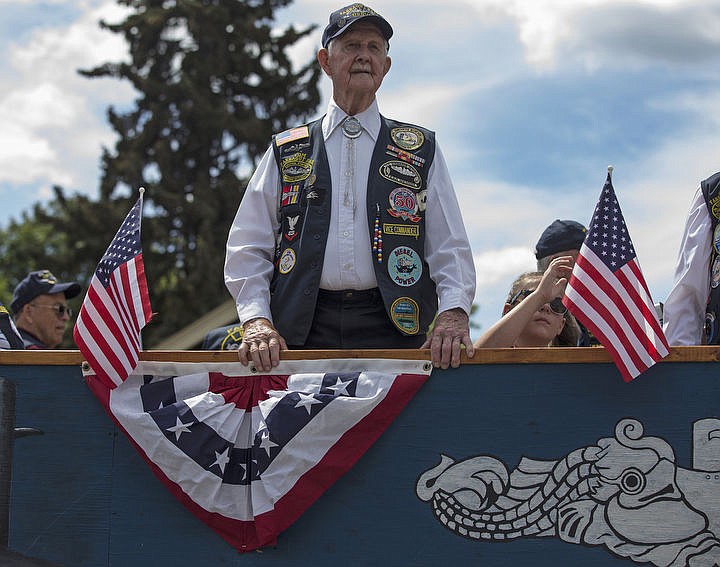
246	452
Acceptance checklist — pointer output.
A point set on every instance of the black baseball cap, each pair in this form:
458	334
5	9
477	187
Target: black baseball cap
41	282
342	19
561	235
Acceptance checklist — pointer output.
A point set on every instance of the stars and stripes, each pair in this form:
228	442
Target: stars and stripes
608	294
248	453
116	306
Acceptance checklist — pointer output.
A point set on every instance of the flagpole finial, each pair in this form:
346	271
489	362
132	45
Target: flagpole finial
141	190
610	169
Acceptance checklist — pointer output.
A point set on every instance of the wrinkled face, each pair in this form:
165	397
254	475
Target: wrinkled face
41	317
357	61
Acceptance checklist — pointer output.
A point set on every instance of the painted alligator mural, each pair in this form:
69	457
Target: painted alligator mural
626	493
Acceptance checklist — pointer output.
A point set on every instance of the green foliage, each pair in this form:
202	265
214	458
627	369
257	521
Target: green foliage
67	236
214	82
473	310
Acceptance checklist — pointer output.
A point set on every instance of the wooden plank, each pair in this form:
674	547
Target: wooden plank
555	355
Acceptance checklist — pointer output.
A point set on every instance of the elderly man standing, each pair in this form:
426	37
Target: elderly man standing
41	310
349	234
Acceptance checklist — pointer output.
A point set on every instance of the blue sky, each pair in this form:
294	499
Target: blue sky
531	101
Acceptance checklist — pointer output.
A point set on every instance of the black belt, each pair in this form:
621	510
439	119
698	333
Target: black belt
349	295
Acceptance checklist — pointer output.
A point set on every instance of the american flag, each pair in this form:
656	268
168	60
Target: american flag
248	453
608	294
116	306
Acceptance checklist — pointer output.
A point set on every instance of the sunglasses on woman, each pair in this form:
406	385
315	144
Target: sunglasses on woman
556	305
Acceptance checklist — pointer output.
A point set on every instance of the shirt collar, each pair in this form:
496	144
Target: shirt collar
369	119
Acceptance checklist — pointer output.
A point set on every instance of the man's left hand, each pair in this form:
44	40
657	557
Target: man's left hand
450	331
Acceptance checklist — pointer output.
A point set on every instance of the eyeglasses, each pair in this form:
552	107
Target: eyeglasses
60	310
556	305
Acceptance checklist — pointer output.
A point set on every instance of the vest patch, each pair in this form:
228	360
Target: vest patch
287	261
710	327
403	204
405	315
396	152
401	173
290	195
296	168
292	135
715	273
291	233
407	137
402	229
404	266
422	199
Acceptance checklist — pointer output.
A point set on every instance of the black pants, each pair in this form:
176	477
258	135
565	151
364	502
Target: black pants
352	319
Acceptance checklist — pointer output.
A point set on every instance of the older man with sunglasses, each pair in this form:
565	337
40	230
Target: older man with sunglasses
41	310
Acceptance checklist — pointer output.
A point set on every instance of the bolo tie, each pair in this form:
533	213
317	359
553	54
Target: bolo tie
352	129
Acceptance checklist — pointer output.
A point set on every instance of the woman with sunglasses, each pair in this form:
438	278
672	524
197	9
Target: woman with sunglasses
534	315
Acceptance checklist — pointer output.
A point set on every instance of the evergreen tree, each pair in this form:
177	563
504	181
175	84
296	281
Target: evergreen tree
214	82
67	235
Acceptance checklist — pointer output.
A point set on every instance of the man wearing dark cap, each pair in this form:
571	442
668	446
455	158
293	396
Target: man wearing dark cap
349	234
561	238
41	310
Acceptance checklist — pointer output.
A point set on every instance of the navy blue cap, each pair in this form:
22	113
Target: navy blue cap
342	19
41	282
561	235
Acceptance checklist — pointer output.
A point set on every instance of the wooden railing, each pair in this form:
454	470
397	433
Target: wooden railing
555	355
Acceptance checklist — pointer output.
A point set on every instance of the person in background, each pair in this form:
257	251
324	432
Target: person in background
691	311
41	310
9	336
561	238
349	234
228	337
534	315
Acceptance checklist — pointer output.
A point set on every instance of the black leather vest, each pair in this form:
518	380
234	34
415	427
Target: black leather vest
396	197
711	191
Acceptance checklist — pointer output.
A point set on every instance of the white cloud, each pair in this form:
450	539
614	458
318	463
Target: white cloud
50	129
617	33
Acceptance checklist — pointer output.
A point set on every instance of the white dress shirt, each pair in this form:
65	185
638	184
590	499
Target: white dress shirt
348	262
684	309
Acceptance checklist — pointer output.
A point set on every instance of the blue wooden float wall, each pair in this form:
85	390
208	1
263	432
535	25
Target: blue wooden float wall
82	497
